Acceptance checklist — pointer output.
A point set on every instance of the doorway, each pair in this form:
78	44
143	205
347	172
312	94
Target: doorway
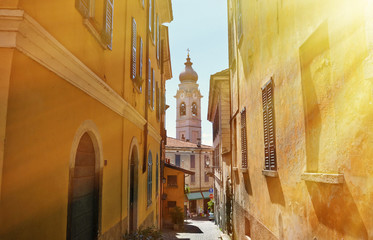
133	190
83	209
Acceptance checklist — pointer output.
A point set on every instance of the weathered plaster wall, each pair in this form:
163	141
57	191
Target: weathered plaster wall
315	53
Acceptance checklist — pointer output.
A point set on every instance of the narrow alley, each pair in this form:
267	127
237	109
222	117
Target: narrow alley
195	229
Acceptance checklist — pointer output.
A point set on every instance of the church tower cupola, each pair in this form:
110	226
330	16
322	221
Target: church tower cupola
188	102
189	74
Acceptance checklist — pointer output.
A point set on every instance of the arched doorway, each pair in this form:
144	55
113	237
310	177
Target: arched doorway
84	192
133	190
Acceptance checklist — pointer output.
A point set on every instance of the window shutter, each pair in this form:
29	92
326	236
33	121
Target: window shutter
192	161
269	127
153	92
83	7
134	44
109	23
153	21
157	102
149	81
243	138
158	36
140	64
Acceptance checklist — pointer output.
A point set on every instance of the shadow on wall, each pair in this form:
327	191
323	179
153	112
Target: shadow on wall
247	182
335	208
275	190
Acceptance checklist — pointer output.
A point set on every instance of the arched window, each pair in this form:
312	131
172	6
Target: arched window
194	109
182	109
150	177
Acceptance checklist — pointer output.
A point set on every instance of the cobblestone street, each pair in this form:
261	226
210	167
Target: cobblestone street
194	229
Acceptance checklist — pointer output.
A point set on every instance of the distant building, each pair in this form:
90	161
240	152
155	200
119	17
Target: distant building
186	150
173	190
81	116
301	84
218	114
195	158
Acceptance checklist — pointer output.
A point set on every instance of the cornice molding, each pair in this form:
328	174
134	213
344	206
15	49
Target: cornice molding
153	133
19	30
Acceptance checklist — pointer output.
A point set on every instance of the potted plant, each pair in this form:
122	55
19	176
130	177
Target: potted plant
177	215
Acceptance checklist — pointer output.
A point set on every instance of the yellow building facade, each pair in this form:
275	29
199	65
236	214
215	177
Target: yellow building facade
82	116
173	191
301	119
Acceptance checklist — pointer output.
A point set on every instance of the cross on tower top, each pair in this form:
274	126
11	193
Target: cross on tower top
188	51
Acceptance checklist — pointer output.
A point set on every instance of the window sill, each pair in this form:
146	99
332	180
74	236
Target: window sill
330	178
244	170
270	173
92	29
235	168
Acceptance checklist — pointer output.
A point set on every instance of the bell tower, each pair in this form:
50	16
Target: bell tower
188	102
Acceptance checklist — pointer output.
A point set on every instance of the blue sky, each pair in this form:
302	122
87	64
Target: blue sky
201	26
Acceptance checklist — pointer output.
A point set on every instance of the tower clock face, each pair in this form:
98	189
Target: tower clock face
182	95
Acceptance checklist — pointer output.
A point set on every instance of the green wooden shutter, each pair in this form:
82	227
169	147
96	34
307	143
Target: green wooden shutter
133	52
243	138
109	23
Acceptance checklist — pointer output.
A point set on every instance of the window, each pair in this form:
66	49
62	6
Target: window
216	156
142	3
157	176
207	178
153	22
150	178
177	160
140	57
171	181
194	109
109	23
149	81
102	30
133	50
207	161
171	204
243	139
153	89
192	161
157	105
158	38
270	162
192	178
182	109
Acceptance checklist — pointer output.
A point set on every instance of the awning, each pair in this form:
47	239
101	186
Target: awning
194	196
198	195
206	195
